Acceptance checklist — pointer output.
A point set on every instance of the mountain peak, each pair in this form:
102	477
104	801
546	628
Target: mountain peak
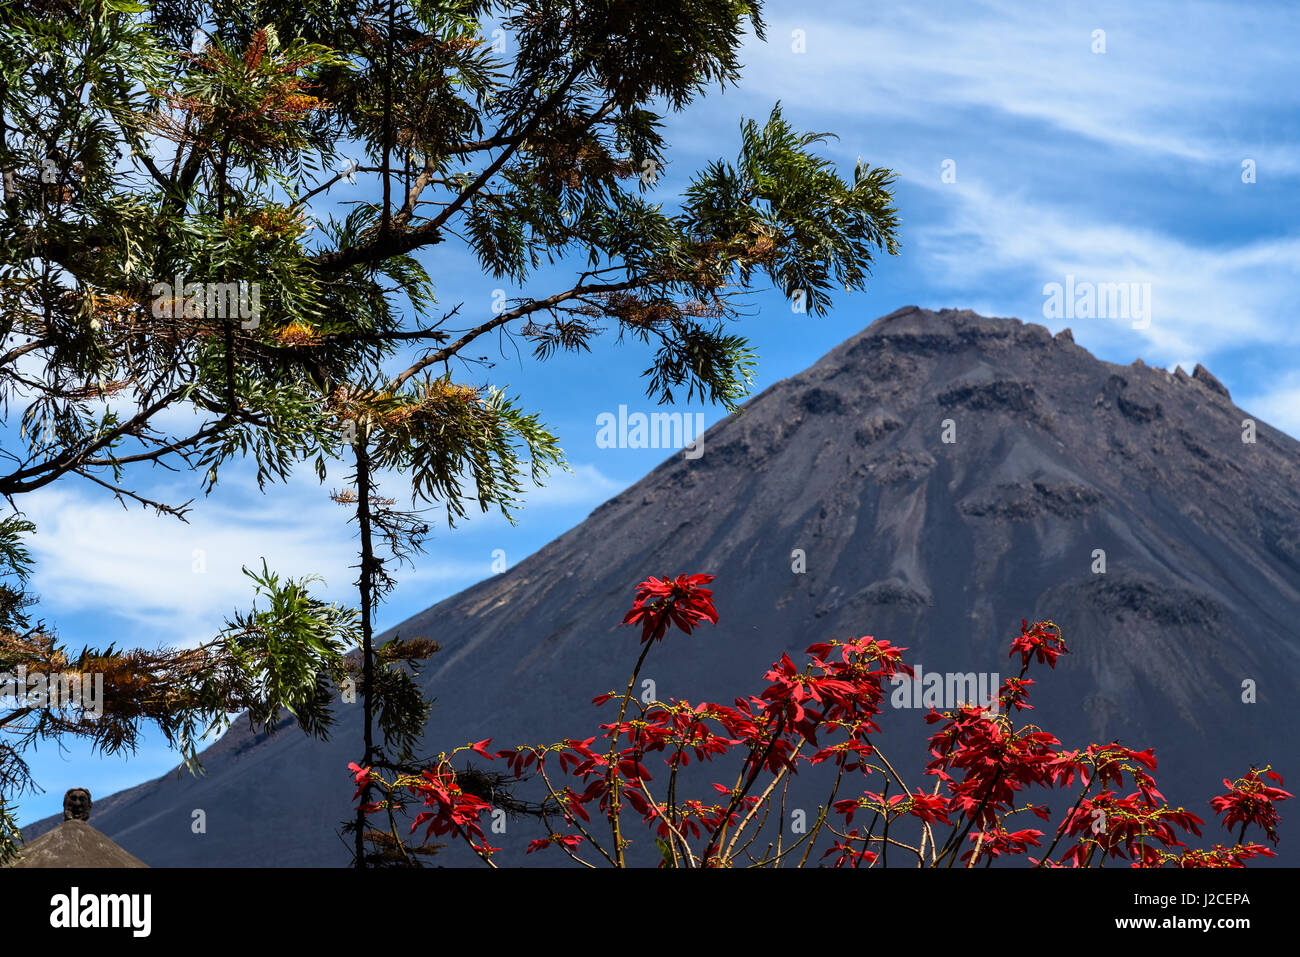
1203	376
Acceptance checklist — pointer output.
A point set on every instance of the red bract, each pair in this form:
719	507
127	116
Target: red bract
1112	759
361	776
1250	801
1042	642
848	855
1014	693
1107	764
785	696
930	808
663	601
453	811
565	840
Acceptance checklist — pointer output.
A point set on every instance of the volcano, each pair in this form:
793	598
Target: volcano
932	481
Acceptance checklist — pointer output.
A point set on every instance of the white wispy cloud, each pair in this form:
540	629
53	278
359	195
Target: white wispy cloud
1203	298
171	578
930	63
175	583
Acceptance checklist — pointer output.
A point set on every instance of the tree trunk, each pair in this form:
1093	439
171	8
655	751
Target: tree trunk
366	583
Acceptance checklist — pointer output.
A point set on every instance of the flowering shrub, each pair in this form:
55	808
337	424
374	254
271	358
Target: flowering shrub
824	713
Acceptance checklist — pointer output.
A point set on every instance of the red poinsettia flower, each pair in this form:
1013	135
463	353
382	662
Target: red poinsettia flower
848	855
1250	801
567	840
361	776
664	601
1042	642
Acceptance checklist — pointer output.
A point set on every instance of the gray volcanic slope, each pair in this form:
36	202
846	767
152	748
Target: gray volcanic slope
940	547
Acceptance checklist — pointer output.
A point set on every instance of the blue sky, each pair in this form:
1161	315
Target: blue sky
1116	166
